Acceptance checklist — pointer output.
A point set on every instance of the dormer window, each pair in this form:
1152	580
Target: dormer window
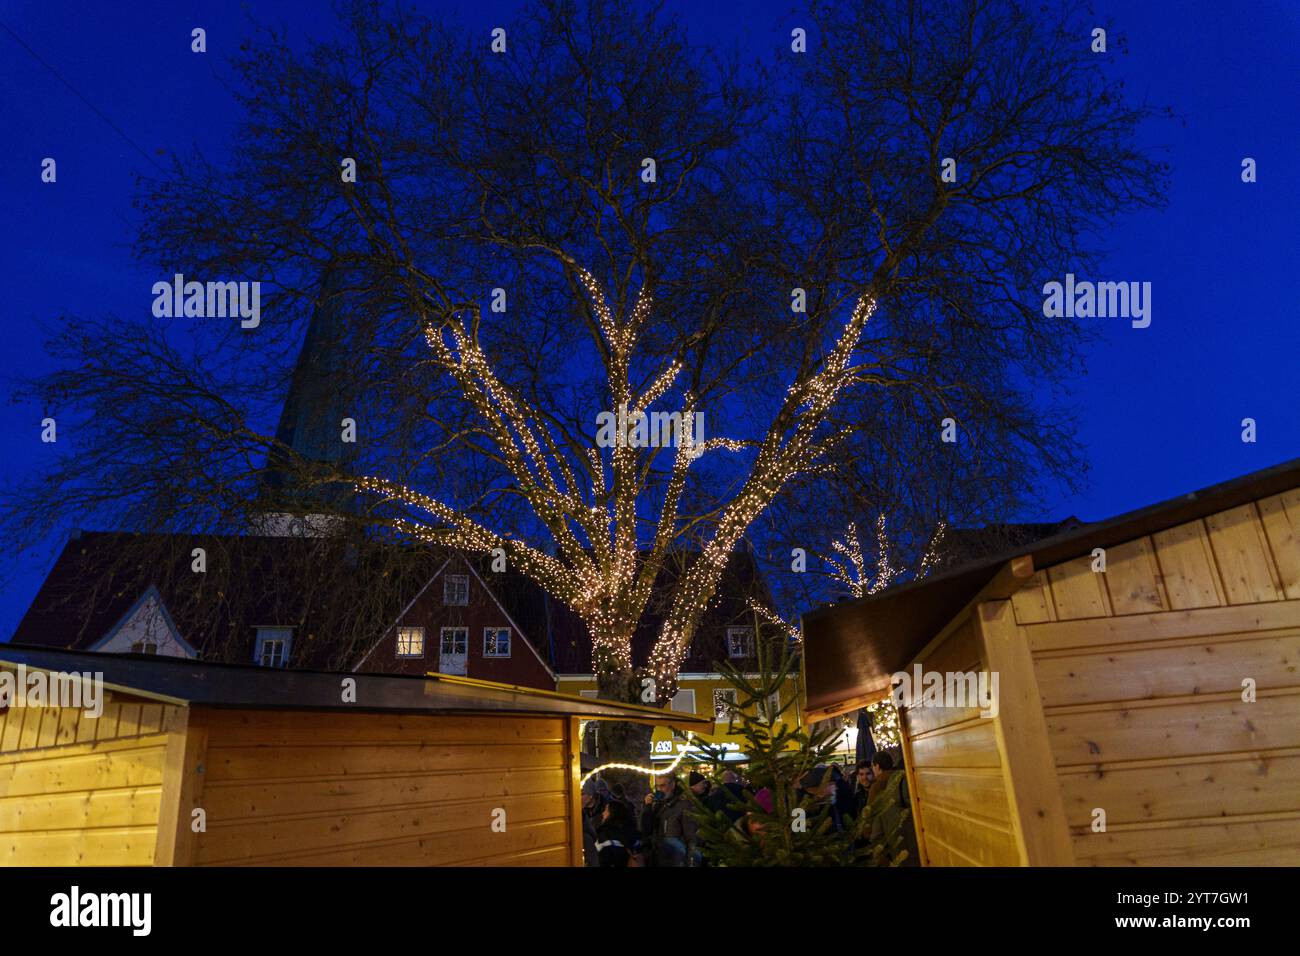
144	647
455	590
740	642
273	646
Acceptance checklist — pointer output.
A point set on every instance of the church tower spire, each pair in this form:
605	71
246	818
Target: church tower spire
310	433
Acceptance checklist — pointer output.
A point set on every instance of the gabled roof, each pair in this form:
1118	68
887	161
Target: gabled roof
150	592
178	681
98	577
463	562
85	595
850	649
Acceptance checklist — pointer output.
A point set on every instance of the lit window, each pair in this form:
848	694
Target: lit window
496	642
144	647
740	642
455	589
273	646
724	704
410	642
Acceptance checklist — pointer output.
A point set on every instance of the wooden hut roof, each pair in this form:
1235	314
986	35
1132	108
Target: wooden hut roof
850	649
180	681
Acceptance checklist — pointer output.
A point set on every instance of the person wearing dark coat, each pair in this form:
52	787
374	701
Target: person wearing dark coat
728	797
668	830
592	806
615	835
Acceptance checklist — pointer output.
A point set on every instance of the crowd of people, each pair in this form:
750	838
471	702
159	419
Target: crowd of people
662	831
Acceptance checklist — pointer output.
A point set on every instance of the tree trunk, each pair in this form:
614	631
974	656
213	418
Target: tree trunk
623	742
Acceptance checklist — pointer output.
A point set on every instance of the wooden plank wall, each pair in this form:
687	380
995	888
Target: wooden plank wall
82	791
330	789
962	812
1140	671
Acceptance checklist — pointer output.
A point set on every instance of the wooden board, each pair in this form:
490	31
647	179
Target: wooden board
1028	768
1238	786
1256	842
1169	669
1187	567
343	789
1242	556
1280	516
1133	580
1179	729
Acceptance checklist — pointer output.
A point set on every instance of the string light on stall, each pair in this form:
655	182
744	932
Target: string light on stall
648	771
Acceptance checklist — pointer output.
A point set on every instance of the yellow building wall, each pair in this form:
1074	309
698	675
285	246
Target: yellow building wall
666	744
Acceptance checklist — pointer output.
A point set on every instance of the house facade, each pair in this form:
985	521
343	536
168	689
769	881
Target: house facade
457	625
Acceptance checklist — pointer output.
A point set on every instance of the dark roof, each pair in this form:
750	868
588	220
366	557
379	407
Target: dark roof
179	681
850	649
279	580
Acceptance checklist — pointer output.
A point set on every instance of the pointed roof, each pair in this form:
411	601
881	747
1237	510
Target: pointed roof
318	399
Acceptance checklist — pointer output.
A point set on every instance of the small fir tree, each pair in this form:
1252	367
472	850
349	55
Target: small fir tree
795	828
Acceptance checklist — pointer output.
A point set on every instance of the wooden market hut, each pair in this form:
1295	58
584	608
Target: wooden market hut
1160	697
286	773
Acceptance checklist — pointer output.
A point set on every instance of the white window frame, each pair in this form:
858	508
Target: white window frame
768	709
267	635
442	637
510	645
681	696
459	579
728	693
748	645
410	632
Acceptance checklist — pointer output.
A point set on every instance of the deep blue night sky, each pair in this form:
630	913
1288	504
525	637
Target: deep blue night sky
1159	409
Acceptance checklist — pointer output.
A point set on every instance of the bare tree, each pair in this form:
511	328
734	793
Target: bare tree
667	230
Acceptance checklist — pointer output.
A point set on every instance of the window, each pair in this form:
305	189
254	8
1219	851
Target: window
455	640
768	709
455	589
724	704
410	642
144	647
740	642
683	702
273	646
496	642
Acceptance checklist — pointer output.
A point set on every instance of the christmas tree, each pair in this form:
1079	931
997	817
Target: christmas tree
788	816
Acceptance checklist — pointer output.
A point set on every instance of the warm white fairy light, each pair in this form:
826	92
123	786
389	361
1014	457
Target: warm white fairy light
884	723
648	771
771	617
884	569
853	574
931	556
600	568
